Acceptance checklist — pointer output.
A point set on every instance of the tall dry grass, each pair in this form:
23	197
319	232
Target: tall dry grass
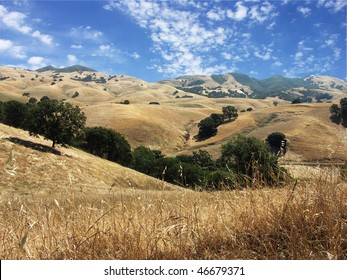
304	220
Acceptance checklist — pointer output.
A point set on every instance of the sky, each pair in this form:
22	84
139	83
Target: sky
156	40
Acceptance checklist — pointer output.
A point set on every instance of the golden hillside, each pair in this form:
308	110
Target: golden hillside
29	167
172	125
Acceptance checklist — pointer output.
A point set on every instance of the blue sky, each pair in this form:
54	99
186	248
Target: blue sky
155	40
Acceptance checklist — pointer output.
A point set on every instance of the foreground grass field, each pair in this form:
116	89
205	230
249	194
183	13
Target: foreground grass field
303	220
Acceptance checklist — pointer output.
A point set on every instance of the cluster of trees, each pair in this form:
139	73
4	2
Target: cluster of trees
244	160
55	120
208	126
339	113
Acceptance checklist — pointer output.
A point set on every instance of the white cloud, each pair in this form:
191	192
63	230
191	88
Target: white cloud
86	32
76	46
47	39
333	6
7	47
178	34
16	21
36	62
263	13
240	13
216	14
305	11
227	56
135	55
298	56
71	58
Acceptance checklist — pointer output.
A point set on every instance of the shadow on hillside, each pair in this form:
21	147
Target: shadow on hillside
34	146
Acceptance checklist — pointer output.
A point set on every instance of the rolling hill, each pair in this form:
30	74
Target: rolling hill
31	166
171	125
240	85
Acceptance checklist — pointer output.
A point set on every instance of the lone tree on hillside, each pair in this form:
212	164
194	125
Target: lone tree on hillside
55	120
230	112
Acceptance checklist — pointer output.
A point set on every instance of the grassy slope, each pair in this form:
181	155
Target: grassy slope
76	206
35	169
166	127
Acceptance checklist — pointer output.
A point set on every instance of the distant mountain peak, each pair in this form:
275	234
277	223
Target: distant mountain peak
69	69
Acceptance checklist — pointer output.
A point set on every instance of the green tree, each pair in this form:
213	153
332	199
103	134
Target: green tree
108	144
217	118
55	120
146	161
203	159
335	110
229	112
207	128
15	113
250	158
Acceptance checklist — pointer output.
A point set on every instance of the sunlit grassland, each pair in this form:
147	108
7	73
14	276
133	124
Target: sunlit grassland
305	219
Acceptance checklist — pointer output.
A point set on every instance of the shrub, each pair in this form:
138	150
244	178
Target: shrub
251	159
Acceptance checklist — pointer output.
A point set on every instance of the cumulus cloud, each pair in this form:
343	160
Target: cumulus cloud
16	21
36	62
7	47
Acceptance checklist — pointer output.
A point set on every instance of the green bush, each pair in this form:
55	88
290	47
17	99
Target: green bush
108	144
251	159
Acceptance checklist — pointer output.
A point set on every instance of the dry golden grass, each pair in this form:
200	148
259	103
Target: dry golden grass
308	221
76	206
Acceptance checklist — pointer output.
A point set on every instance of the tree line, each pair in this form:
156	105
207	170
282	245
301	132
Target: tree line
243	161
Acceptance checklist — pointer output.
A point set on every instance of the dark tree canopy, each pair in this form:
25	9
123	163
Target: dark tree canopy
108	144
207	128
55	120
250	157
339	113
14	113
229	112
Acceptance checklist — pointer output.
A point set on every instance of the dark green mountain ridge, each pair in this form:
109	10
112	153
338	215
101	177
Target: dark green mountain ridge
70	69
